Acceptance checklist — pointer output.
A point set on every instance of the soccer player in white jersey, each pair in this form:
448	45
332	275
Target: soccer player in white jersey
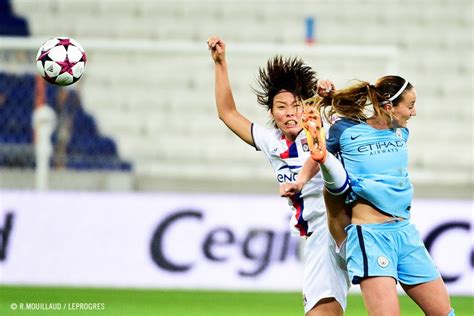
284	83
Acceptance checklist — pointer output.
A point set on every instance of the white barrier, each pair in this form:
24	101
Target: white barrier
197	241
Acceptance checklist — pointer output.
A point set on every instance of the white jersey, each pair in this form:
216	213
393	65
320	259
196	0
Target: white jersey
325	273
287	158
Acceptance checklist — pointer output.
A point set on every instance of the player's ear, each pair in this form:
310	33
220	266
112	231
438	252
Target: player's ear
388	107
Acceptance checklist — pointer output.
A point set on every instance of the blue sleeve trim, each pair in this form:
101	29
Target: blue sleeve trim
342	189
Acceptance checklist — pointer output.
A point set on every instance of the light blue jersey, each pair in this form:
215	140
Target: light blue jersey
368	155
376	162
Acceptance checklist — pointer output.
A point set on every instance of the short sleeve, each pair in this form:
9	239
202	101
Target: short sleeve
262	138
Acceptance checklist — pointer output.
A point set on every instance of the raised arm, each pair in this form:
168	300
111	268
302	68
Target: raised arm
226	108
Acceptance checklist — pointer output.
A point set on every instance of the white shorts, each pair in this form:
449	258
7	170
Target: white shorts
325	272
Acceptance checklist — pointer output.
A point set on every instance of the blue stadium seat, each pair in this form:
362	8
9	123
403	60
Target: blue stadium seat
86	149
10	24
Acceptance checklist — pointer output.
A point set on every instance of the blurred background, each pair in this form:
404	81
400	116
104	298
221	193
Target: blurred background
148	90
142	120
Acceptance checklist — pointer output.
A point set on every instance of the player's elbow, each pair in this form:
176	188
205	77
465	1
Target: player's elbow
226	116
221	115
223	118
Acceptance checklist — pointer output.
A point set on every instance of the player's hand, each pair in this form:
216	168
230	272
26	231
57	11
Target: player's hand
217	47
325	88
290	189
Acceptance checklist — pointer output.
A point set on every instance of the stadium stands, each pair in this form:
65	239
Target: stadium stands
86	148
10	24
16	104
161	110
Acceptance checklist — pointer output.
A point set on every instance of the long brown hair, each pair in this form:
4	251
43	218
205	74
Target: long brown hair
353	101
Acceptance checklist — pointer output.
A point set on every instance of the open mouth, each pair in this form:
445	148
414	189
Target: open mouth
291	123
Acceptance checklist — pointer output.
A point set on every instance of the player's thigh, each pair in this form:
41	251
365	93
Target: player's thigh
431	296
380	296
326	306
337	216
325	277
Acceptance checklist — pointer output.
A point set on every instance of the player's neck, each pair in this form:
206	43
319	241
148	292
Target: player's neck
378	123
291	137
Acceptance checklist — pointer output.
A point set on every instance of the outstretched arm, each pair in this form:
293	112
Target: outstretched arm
226	107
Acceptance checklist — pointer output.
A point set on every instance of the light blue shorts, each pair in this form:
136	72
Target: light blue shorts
393	249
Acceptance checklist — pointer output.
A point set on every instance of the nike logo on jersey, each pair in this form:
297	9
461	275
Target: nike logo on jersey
355	137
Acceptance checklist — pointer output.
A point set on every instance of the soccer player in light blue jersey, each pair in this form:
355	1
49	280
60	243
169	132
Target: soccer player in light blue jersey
369	137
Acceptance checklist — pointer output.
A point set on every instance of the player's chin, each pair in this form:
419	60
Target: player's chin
293	130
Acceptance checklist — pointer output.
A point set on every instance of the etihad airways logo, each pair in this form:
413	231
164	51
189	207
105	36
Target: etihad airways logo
381	147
